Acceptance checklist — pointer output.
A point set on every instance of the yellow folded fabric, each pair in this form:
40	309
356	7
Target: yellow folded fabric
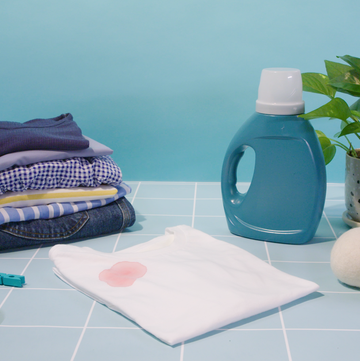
31	197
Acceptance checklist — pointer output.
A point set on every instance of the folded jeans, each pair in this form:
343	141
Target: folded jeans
108	219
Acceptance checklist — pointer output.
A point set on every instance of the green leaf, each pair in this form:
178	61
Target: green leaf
336	69
328	149
348	83
342	126
317	83
335	108
353	61
352	128
329	153
356	106
319	133
356	113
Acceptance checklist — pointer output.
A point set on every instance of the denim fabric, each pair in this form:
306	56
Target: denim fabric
108	219
59	133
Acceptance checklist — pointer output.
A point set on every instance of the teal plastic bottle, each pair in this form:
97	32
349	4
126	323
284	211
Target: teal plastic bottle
285	200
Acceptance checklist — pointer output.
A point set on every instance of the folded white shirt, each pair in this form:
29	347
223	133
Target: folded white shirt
180	285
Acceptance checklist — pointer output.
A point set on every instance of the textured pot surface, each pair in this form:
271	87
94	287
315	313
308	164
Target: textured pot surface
352	186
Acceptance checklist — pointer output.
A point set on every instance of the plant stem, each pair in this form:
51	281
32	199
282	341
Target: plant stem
352	151
355	119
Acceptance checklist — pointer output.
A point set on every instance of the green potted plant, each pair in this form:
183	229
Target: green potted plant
343	78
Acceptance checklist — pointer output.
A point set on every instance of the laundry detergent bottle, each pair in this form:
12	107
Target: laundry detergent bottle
285	200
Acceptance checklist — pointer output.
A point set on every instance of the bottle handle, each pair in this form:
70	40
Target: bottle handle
229	176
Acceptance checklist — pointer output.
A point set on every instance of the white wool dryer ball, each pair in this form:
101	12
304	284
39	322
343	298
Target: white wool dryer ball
345	258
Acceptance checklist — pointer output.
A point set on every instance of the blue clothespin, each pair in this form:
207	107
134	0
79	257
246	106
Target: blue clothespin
11	280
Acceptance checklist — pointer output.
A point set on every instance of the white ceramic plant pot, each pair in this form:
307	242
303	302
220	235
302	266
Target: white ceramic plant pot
352	186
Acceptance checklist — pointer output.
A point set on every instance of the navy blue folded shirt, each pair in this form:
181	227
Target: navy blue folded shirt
59	133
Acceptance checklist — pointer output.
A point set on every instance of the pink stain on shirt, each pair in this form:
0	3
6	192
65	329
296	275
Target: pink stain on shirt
123	274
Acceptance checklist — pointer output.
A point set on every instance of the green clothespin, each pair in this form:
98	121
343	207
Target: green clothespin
11	280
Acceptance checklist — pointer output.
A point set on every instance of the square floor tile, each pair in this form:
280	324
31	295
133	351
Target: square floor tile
209	207
39	274
4	291
157	224
268	320
335	191
40	344
212	225
178	207
101	244
317	250
327	311
319	273
257	248
339	226
13	266
237	345
324	230
208	191
166	190
46	308
127	240
102	316
324	345
334	208
115	344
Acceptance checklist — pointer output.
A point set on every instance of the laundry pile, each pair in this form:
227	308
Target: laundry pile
57	185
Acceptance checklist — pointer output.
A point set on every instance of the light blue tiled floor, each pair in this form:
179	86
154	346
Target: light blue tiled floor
48	320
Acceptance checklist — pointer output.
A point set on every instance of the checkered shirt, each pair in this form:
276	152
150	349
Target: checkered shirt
65	173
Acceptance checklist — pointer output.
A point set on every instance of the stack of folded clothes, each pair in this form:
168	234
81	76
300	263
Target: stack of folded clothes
57	185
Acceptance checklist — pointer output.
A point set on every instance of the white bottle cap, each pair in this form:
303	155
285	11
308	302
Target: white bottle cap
280	92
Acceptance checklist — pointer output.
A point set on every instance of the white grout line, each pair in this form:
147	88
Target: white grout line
40	326
218	329
182	351
83	331
325	329
22	273
249	329
45	289
290	329
6	297
177	215
267	252
280	313
114	328
355	292
194	207
137	189
300	261
180	199
332	229
285	334
30	261
164	215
